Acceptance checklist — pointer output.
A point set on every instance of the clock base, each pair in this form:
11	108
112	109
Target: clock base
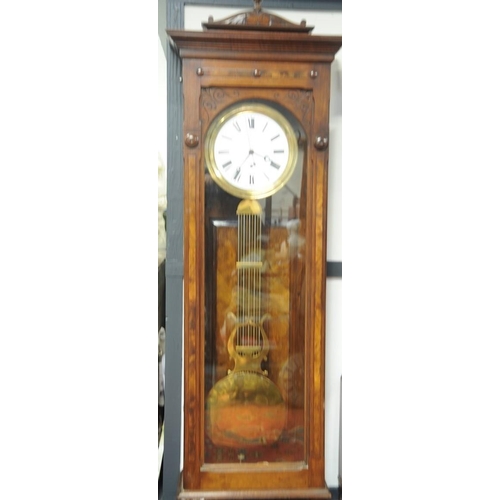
297	494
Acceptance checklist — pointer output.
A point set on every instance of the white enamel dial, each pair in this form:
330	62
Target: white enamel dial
251	150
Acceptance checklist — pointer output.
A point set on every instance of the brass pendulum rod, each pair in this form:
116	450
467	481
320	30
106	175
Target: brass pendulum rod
248	344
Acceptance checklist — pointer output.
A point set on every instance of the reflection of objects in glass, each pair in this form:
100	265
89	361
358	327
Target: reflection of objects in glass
292	246
291	380
295	241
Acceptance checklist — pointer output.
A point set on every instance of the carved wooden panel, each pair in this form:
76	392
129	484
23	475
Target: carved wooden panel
215	99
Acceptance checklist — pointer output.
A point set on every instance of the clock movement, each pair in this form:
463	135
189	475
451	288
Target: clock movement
256	119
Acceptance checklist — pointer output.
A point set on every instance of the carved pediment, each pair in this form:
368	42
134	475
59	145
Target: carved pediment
256	20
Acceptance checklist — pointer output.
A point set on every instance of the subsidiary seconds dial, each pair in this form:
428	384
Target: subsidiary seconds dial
251	150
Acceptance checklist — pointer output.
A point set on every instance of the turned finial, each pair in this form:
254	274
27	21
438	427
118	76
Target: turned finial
256	5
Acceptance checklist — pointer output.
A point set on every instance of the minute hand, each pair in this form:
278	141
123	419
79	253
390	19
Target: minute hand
246	158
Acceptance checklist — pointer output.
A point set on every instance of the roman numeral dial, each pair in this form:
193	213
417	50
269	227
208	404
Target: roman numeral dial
251	150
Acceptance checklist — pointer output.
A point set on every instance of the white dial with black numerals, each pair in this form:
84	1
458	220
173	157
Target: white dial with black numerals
251	150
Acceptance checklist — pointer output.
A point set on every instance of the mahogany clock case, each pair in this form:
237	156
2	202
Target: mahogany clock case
254	409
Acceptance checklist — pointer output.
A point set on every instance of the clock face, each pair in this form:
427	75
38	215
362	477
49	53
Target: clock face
251	150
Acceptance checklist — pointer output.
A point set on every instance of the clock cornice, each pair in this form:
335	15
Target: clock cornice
245	45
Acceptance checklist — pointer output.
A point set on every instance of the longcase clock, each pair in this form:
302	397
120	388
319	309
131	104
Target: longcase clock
256	111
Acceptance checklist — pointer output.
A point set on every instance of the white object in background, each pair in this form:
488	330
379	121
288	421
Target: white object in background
160	450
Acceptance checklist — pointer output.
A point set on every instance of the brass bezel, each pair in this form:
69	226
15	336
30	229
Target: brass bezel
213	131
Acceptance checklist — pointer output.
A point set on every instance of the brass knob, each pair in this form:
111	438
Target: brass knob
313	74
200	72
257	72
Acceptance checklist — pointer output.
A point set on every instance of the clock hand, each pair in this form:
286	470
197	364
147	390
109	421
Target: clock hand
246	158
268	160
250	153
248	134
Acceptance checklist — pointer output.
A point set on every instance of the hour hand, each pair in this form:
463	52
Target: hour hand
265	158
271	162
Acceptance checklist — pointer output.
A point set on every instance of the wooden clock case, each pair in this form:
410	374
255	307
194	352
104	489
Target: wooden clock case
254	56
